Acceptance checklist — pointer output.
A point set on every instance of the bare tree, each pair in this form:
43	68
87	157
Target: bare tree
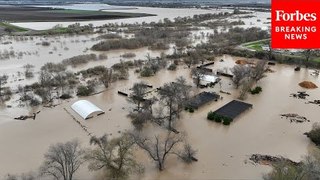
270	51
28	70
62	160
311	164
114	156
139	93
158	149
284	171
3	80
106	77
184	93
173	96
246	85
239	73
187	154
197	74
258	72
139	119
307	54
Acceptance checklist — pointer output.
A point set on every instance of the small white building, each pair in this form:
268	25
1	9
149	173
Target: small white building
209	79
86	109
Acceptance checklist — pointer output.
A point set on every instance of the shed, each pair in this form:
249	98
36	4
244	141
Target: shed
233	109
86	109
201	99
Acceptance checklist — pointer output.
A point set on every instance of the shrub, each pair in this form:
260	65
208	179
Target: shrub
172	67
65	96
256	90
128	55
314	134
81	59
146	72
218	118
191	110
84	91
211	116
226	121
34	102
134	43
45	43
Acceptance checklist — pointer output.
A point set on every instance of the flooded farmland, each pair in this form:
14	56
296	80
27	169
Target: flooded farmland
222	151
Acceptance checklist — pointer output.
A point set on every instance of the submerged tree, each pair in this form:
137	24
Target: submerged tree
285	171
307	169
187	154
115	156
258	72
158	148
173	96
246	85
239	73
62	160
138	95
307	54
106	77
3	80
197	74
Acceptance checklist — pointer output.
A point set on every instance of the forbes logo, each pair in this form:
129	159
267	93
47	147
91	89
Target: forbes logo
281	15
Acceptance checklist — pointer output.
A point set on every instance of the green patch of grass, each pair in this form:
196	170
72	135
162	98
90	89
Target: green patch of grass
13	28
256	45
317	59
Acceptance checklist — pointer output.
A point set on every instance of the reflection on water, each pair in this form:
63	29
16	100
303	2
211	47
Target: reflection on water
161	13
221	150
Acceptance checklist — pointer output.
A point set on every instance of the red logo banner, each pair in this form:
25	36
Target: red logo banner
295	24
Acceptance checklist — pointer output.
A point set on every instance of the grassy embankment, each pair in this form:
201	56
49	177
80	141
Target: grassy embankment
12	28
257	46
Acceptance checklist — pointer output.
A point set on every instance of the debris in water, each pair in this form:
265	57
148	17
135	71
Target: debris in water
270	160
299	95
295	118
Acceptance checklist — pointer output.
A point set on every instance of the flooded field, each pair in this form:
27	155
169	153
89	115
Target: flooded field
220	149
223	151
160	13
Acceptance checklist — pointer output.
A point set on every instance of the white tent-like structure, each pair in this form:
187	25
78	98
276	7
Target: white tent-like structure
207	79
86	109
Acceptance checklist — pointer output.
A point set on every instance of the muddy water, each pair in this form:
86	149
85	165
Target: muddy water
160	13
222	151
61	47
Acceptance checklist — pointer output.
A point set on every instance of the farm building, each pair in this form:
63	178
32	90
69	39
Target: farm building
86	109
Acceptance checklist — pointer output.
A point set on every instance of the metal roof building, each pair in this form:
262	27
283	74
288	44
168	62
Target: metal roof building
86	109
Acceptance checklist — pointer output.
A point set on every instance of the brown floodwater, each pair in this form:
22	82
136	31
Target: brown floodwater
223	152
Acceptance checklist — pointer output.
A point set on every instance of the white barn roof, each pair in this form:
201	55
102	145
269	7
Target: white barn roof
85	108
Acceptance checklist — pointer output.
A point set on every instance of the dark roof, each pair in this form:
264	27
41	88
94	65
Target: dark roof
201	99
233	109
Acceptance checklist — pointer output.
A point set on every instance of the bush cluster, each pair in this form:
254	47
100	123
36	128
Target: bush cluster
256	90
212	116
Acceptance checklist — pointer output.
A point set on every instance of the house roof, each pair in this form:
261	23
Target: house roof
201	99
85	108
233	109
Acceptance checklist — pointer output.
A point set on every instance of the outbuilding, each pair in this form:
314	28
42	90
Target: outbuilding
86	109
